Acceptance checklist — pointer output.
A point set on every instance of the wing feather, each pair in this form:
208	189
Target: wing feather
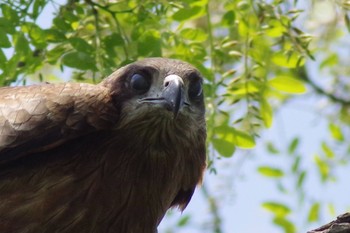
40	117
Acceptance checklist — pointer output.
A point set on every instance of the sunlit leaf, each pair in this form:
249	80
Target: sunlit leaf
275	29
224	147
287	225
271	172
251	86
188	13
288	84
336	132
278	209
234	136
327	150
291	60
36	34
331	60
314	212
54	35
195	34
331	209
266	112
323	168
243	139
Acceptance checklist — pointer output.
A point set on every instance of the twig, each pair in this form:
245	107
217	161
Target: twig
304	76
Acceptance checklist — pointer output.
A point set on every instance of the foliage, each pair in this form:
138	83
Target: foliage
252	54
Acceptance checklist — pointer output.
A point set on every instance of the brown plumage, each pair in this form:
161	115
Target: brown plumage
111	157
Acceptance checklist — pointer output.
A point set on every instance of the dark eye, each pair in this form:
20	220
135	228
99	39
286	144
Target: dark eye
140	83
195	89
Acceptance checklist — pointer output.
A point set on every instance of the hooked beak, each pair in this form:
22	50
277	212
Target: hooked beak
172	97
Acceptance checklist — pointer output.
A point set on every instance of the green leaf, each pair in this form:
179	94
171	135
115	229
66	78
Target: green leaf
10	14
4	40
183	220
61	24
188	13
275	29
7	26
54	35
287	84
149	44
288	60
314	212
21	44
323	168
228	19
296	164
38	6
336	132
36	34
224	147
272	149
266	112
79	60
293	145
121	6
287	225
278	209
331	209
250	87
234	137
197	34
2	57
81	45
331	60
270	172
301	179
327	150
243	140
54	54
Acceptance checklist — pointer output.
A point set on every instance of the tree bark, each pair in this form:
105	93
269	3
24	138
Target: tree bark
340	225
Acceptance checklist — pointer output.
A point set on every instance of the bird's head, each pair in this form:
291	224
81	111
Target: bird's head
158	87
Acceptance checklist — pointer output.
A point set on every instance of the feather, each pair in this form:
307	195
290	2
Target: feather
101	158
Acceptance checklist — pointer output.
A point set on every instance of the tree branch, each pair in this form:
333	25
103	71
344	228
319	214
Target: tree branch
305	77
340	225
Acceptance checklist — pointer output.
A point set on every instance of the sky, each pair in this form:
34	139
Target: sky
240	189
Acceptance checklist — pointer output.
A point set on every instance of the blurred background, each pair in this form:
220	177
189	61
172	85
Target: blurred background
276	85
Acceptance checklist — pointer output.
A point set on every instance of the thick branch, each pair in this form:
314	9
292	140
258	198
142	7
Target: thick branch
340	225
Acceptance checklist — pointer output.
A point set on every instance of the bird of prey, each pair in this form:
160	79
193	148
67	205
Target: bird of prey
111	157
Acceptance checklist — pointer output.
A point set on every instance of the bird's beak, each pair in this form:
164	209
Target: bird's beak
173	93
172	97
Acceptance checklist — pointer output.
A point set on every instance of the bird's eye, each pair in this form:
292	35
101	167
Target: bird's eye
140	83
195	89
